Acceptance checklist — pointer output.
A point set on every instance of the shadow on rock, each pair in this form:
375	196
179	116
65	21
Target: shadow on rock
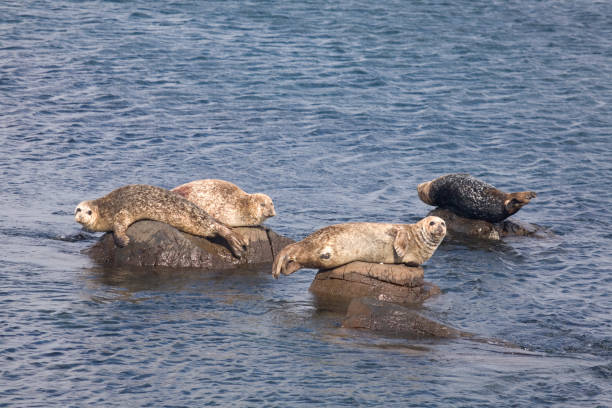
459	227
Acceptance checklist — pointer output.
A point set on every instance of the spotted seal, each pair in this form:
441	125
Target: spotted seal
128	204
469	197
339	244
228	203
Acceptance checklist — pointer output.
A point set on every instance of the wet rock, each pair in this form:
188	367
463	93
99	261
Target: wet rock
376	315
458	227
391	283
154	243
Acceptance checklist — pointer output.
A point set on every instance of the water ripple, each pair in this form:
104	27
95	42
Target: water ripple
337	111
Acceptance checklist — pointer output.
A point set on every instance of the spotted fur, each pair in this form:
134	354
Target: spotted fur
228	203
120	208
469	197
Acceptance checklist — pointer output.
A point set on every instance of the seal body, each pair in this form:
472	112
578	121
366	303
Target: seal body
128	204
228	203
339	244
469	197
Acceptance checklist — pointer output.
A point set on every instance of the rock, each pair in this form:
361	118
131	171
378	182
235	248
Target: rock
376	315
154	243
405	285
457	227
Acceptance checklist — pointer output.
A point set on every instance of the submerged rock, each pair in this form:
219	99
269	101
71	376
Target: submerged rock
391	283
154	243
376	315
457	227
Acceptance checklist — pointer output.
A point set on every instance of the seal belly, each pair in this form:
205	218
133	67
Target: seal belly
367	242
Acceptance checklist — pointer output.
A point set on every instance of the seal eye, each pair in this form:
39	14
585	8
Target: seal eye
78	210
432	223
263	204
89	212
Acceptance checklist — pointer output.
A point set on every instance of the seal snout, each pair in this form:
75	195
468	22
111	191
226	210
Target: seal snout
83	214
270	211
436	226
440	228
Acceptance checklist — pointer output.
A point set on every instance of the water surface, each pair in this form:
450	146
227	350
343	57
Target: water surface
337	111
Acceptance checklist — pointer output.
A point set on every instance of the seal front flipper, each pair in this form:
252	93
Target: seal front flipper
236	241
122	222
400	243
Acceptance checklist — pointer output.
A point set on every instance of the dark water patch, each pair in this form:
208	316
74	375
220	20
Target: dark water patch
74	237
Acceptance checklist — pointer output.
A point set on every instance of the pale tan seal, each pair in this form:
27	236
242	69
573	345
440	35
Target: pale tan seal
335	245
128	204
228	203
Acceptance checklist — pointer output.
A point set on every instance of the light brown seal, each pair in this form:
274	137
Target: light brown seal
335	245
469	197
228	203
128	204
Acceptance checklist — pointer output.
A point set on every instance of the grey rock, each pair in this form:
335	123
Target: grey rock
403	284
380	316
154	243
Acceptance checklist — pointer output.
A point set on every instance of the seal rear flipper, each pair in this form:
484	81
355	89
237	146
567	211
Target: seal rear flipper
285	263
291	266
517	200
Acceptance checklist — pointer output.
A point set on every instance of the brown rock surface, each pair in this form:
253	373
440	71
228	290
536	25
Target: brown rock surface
404	284
376	315
154	243
457	226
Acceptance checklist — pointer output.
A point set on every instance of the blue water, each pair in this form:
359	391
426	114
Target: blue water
337	110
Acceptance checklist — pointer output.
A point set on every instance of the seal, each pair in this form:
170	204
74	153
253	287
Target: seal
228	203
335	245
117	210
469	197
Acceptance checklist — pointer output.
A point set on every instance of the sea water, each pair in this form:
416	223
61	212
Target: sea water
337	110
